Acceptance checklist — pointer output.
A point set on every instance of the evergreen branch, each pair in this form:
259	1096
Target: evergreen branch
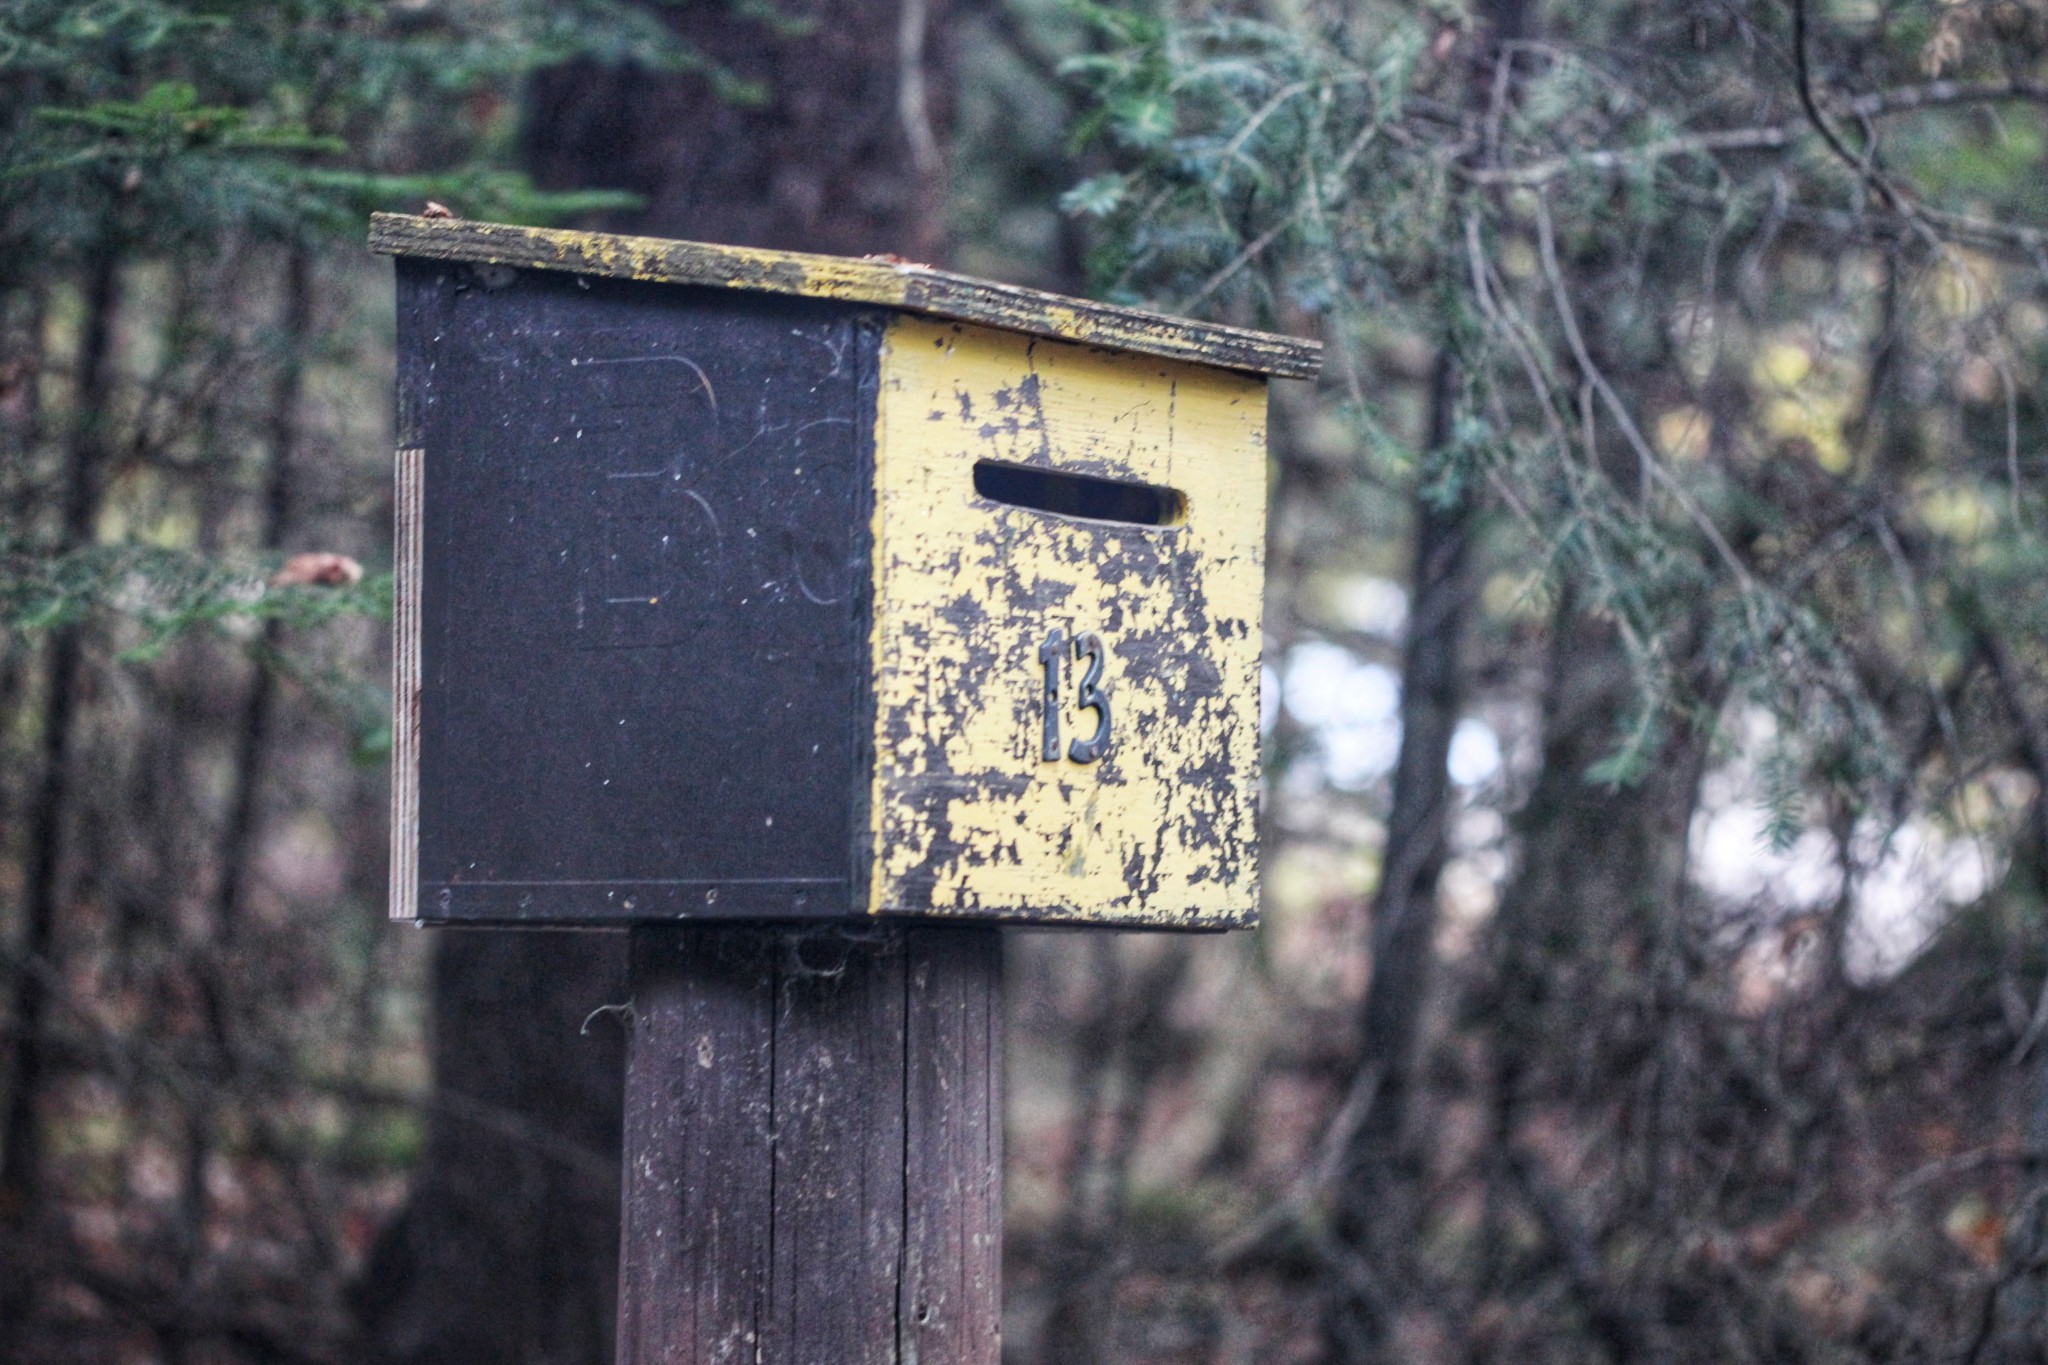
167	593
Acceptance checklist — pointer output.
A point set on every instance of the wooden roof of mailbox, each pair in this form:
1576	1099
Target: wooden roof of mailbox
871	280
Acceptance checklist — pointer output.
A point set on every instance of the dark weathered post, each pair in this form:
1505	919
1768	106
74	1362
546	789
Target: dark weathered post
811	617
813	1147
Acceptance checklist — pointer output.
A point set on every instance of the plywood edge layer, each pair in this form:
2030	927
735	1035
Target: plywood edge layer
890	284
405	685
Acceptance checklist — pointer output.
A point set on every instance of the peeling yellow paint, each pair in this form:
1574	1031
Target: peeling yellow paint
967	816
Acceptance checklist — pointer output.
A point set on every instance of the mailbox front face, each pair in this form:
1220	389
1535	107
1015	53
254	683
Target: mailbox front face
1067	568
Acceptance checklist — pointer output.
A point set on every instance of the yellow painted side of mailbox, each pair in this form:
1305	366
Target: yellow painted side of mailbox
968	817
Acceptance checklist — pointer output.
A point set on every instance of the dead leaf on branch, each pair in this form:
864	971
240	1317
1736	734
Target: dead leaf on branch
322	569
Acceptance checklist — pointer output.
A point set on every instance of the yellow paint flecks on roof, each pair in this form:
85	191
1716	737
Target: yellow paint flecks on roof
871	280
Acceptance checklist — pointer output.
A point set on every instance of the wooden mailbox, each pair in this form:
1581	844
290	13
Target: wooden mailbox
756	585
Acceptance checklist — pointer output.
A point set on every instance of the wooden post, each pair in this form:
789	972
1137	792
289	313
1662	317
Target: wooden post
813	1147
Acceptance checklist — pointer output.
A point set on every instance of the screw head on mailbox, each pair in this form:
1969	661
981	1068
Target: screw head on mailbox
757	585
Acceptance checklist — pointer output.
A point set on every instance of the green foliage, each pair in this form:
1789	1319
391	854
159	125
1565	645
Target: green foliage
155	125
1618	234
165	593
177	134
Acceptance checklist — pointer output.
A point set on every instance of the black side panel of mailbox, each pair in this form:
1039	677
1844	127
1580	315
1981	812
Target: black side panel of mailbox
642	596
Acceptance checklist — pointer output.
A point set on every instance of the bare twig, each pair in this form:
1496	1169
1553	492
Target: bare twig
1803	69
1761	137
1909	591
1317	1177
1624	419
913	106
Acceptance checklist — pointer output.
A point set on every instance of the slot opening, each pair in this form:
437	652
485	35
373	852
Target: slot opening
1086	496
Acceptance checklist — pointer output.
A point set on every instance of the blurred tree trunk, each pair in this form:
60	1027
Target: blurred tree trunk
844	156
1432	693
1404	910
1595	901
21	1157
508	1249
1601	867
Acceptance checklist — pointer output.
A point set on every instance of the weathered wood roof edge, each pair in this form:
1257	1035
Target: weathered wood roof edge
890	284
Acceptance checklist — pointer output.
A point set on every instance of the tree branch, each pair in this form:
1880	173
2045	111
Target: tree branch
1802	66
1767	136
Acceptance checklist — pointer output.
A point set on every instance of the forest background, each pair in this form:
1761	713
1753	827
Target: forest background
1653	960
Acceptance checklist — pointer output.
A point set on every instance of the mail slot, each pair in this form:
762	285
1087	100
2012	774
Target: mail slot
747	584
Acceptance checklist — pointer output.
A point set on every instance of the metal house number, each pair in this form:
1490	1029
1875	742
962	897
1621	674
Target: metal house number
1089	694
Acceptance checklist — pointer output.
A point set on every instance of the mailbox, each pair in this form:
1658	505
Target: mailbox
749	584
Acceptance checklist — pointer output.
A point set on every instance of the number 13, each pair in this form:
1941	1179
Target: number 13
1089	695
